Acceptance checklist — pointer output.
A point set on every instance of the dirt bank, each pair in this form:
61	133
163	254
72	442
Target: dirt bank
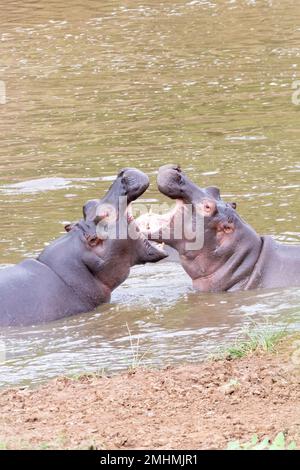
193	406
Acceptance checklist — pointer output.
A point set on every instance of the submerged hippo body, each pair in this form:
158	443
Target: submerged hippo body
78	272
233	256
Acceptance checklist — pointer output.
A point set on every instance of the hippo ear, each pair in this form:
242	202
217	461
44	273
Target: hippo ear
69	227
214	192
90	209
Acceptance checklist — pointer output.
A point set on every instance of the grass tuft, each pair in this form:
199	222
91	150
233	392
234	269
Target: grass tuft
256	340
279	443
137	356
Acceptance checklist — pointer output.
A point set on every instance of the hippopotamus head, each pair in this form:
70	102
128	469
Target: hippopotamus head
216	250
129	184
112	241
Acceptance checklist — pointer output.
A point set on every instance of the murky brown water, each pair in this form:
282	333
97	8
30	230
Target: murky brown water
94	86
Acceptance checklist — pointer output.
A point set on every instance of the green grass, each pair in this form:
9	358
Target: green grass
279	443
137	356
256	339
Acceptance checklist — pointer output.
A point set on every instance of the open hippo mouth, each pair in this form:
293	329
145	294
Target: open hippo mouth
112	217
213	238
196	211
172	183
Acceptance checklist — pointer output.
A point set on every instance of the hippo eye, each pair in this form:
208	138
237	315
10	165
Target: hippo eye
228	228
225	227
93	240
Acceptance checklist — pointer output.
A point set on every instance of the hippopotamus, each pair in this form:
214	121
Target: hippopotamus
79	270
232	256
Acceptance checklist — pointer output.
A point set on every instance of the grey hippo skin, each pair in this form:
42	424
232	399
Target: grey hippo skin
78	272
233	256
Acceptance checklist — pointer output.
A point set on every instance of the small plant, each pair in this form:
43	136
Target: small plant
98	374
279	443
137	358
229	387
44	446
257	339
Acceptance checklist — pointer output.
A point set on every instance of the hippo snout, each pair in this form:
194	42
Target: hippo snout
174	183
169	180
135	182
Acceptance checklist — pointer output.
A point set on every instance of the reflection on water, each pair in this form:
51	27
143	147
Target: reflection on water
94	86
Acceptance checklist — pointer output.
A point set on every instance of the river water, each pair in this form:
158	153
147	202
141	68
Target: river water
94	86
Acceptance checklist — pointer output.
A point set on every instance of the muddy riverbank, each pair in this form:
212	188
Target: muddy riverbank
203	405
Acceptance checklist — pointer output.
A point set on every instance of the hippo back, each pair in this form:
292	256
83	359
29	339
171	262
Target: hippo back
31	292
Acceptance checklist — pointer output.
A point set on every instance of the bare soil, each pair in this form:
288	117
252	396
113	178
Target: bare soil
200	406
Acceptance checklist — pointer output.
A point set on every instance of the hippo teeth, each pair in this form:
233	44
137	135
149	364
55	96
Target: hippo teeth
130	217
159	246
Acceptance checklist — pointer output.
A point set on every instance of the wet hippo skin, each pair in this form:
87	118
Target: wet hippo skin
233	256
78	272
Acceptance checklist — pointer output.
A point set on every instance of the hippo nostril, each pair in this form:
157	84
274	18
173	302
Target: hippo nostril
175	168
121	172
170	166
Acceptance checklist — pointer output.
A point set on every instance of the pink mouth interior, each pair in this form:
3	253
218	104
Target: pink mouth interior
152	222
